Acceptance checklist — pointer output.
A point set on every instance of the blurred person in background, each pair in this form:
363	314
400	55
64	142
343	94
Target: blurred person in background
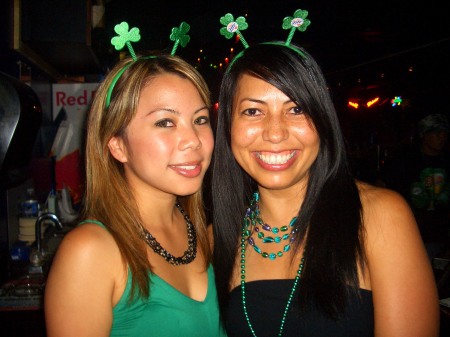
420	174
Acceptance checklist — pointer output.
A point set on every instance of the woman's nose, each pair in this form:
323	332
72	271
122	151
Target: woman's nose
275	130
190	139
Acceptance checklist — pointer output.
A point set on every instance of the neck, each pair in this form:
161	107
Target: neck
158	210
279	207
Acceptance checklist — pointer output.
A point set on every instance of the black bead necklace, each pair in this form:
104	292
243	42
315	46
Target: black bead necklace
189	254
244	238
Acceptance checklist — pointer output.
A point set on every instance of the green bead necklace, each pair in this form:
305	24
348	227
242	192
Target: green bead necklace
251	222
244	238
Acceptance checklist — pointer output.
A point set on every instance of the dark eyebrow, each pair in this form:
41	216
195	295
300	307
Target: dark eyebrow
163	109
254	100
201	109
175	111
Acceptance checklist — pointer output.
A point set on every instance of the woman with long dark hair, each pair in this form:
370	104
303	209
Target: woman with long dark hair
300	247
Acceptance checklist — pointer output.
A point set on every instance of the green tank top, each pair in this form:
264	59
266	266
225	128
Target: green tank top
167	312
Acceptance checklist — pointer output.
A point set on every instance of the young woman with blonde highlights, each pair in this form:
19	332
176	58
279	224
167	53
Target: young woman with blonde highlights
139	263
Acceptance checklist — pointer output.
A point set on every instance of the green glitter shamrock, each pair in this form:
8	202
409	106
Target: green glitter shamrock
299	21
232	27
179	35
125	37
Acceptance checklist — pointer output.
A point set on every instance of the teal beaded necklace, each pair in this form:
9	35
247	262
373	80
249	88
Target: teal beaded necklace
251	222
250	216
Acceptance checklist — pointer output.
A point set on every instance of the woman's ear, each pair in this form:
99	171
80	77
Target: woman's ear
117	149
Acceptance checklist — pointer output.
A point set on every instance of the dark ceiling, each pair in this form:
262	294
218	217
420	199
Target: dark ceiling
343	34
350	39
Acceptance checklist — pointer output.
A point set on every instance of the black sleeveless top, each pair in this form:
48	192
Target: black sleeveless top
266	301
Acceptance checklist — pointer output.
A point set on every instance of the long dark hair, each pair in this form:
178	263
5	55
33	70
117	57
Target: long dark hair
331	211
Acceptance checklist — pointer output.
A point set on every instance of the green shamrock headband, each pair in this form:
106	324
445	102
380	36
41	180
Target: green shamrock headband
297	22
126	36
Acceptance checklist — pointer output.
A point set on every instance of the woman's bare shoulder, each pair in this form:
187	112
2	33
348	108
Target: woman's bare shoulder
386	214
84	242
90	235
87	266
397	265
380	199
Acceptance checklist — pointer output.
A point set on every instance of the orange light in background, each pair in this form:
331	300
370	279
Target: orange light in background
372	102
353	104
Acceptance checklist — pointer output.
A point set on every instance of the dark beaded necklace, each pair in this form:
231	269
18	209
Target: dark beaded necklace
244	238
189	254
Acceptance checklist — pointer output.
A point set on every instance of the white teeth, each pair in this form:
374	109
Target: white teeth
187	167
276	159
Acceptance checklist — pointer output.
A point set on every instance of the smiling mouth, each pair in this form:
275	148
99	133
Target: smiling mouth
187	167
277	159
191	170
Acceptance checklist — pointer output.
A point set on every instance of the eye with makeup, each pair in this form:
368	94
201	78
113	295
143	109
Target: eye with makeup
296	110
202	120
165	123
251	112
